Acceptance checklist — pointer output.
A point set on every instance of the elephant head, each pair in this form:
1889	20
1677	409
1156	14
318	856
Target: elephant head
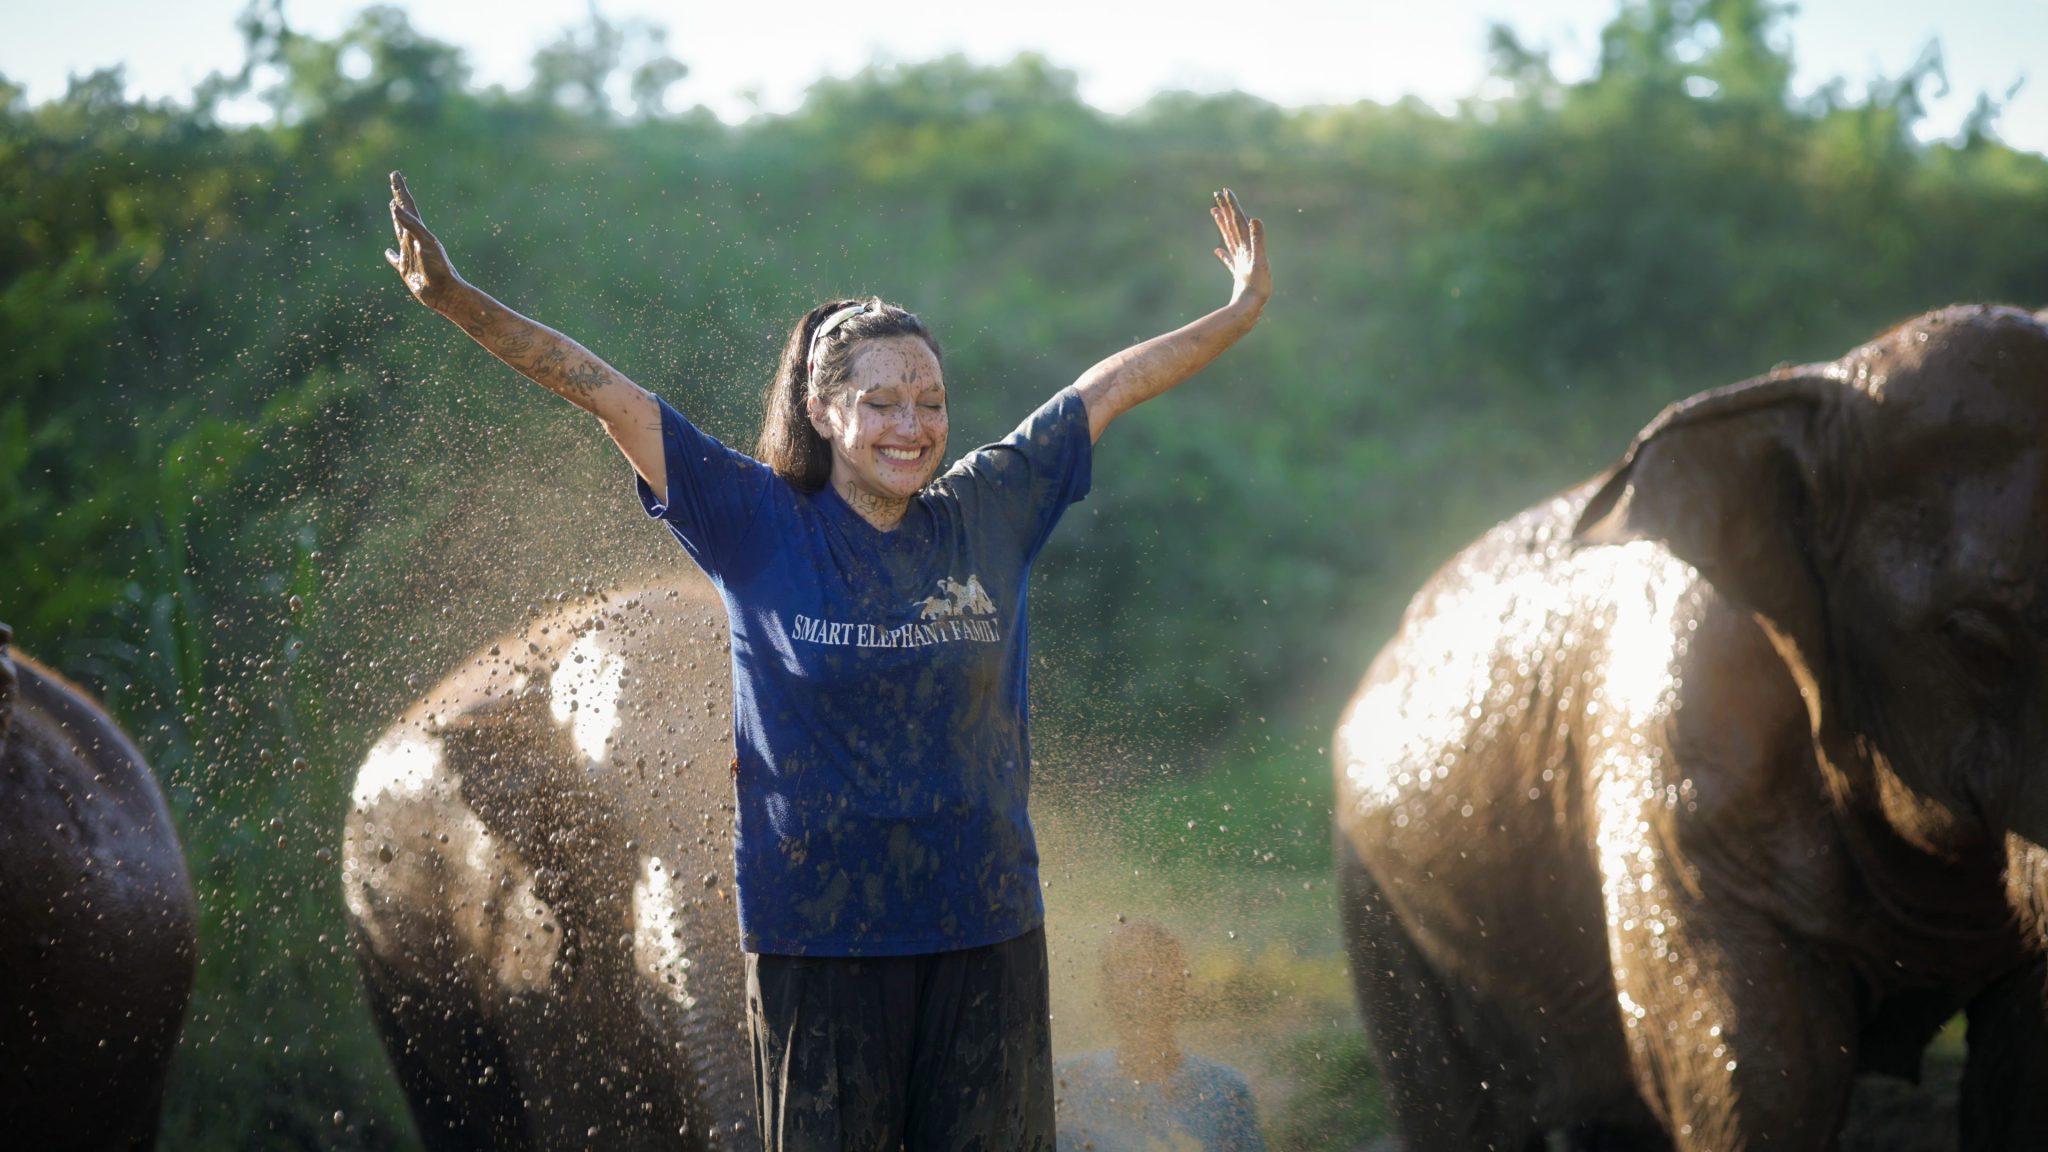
1886	518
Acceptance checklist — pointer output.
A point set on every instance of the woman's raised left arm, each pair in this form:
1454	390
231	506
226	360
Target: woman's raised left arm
1142	371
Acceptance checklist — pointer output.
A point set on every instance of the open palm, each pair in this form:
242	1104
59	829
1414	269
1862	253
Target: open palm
1244	248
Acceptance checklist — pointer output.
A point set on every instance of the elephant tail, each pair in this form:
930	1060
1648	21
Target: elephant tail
6	683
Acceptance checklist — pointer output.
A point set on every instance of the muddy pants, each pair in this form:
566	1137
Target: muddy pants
947	1052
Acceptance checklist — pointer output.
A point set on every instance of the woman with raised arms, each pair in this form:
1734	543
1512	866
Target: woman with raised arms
885	868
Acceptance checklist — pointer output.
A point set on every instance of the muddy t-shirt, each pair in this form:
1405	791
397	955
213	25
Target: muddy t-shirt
879	689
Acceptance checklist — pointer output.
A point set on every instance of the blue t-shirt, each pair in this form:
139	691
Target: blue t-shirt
1203	1107
879	689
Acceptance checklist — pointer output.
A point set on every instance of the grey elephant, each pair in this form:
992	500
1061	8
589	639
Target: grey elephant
98	936
1683	797
537	867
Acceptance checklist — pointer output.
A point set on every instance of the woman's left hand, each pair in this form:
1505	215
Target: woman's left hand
1142	371
1243	251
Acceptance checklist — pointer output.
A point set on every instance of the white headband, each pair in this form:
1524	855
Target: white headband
825	329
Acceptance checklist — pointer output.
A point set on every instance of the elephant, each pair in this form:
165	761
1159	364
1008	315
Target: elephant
536	868
1688	794
98	922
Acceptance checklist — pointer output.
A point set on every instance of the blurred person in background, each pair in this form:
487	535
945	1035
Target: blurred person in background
1147	1095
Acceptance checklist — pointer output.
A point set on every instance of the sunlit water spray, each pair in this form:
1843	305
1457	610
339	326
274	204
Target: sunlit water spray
1265	966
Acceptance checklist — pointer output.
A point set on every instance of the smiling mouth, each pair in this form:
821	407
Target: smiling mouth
902	455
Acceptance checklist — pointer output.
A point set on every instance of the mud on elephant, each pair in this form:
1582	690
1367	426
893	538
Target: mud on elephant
98	936
1686	795
537	870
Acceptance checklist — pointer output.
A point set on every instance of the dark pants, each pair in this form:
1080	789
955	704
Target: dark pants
947	1052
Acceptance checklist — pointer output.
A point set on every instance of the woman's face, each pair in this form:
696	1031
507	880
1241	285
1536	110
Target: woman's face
888	429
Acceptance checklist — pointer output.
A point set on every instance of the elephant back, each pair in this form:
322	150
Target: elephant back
541	847
98	937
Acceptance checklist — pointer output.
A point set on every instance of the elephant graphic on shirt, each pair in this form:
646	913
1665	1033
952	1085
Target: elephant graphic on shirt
957	599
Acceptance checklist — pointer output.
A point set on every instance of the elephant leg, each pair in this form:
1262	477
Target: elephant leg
139	1133
454	1067
1443	1092
2002	1104
1740	1036
1894	1040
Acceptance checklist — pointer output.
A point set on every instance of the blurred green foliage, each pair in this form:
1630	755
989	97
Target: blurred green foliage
1338	1103
257	498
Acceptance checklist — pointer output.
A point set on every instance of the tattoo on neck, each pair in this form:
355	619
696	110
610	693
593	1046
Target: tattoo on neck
881	511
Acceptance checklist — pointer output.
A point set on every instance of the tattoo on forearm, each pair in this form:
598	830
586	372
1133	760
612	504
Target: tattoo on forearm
543	355
584	378
548	362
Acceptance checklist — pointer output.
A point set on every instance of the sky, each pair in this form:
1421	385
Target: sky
746	58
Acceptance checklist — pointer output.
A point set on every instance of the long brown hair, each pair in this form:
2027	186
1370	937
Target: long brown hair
788	443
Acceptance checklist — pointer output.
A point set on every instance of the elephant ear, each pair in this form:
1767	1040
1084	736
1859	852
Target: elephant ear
7	683
1732	481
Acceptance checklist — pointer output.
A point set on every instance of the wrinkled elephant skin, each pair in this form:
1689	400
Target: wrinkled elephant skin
1681	798
537	870
98	943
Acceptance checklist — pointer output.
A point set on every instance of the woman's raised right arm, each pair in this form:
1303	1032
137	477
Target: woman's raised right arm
629	412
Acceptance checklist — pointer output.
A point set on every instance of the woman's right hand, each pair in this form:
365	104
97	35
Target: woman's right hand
419	257
630	413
